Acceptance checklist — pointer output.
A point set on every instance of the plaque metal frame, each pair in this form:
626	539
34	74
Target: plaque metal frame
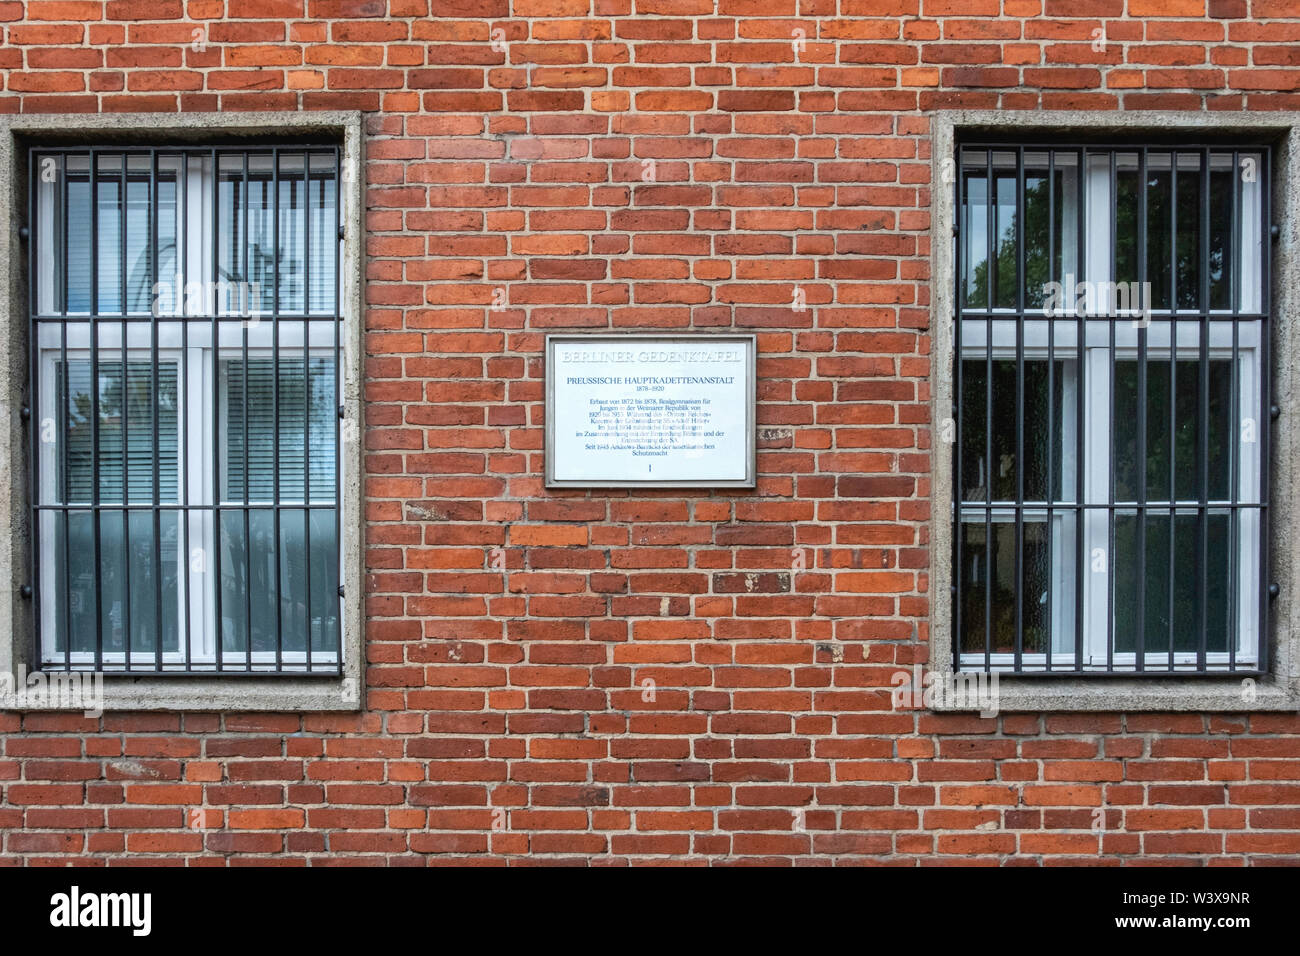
747	339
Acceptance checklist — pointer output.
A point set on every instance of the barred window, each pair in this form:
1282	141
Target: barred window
184	322
1112	409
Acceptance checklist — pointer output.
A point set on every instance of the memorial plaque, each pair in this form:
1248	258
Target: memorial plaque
644	411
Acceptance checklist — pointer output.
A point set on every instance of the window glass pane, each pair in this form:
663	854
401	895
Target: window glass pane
1186	417
1036	590
1127	213
78	233
1039	456
974	423
1252	232
1223	256
304	577
108	192
64	247
1222	435
974	570
1189	230
293	191
233	548
131	409
139	241
306	427
1005	240
325	622
1159	221
323	419
113	569
1157	580
170	283
308	578
993	571
260	573
1038	214
323	214
976	238
1124	444
51	240
293	580
1065	239
1041	459
231	204
73	545
139	574
1001	470
259	296
249	592
1046	597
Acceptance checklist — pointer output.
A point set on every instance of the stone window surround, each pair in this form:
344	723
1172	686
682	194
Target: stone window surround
1280	689
214	693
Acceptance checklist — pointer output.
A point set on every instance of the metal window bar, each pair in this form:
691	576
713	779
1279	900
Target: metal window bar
1266	400
1019	219
196	642
1052	276
991	258
1173	399
1080	406
1110	478
1188	653
958	589
1140	456
306	391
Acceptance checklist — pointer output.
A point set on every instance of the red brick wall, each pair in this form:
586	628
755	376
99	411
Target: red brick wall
506	715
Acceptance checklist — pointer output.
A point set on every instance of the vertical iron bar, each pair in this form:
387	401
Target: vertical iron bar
94	406
1080	320
275	402
958	566
1051	409
246	237
991	199
183	403
335	237
1140	462
1203	432
1265	419
306	393
157	446
1111	557
126	440
1173	387
216	410
34	407
65	430
1231	271
1019	220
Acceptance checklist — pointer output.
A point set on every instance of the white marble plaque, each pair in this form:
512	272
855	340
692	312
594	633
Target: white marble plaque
636	410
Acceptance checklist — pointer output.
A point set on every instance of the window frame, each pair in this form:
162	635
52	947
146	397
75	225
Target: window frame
1278	688
19	656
